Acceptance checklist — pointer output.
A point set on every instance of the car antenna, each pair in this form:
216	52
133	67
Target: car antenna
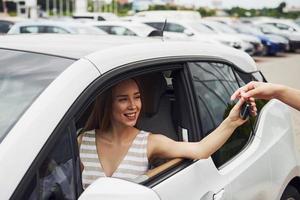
164	26
158	33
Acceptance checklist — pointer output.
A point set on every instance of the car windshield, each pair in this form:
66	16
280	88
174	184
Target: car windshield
23	76
223	28
201	28
248	29
86	30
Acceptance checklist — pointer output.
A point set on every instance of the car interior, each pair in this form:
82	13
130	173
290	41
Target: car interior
159	115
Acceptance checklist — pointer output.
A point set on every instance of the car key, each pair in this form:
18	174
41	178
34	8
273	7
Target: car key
245	111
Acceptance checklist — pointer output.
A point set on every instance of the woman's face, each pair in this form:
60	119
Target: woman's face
126	103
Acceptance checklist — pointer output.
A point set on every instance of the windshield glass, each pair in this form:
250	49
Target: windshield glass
223	28
248	29
201	28
86	30
23	76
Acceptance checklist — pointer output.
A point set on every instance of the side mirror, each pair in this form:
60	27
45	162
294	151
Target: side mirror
116	189
188	32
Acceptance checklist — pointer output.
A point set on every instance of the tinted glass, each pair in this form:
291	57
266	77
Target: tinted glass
214	83
171	27
56	176
23	76
5	26
30	29
156	25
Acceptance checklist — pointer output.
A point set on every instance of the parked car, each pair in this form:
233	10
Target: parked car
197	31
95	16
272	43
123	28
169	14
292	36
47	26
221	28
47	90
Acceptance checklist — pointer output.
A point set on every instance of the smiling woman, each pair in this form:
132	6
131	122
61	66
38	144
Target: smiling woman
112	145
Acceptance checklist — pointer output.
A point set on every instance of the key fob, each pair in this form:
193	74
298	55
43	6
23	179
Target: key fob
245	111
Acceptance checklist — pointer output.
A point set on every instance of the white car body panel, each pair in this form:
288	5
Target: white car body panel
39	121
138	52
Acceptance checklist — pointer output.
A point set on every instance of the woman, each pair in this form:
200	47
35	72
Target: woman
114	147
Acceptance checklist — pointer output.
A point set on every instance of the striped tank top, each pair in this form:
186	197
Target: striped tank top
134	164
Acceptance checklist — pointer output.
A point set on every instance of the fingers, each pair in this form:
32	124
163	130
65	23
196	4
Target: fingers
239	104
246	91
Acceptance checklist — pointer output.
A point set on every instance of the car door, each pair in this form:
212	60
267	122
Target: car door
241	161
201	179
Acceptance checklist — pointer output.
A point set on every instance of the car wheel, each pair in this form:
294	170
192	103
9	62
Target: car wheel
290	193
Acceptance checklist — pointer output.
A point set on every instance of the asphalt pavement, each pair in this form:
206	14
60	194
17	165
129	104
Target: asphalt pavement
284	69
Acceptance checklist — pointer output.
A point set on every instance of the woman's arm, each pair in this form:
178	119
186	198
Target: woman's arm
163	147
268	91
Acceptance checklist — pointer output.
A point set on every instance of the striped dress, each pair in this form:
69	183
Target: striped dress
134	164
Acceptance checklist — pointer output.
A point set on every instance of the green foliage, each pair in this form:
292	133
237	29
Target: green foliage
206	12
163	7
277	12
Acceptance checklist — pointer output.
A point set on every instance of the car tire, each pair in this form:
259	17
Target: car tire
290	193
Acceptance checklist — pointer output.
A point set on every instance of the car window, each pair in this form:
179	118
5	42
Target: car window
214	83
23	76
119	30
54	29
5	26
29	29
172	27
58	175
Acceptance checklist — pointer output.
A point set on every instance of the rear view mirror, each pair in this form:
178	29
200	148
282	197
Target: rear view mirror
116	189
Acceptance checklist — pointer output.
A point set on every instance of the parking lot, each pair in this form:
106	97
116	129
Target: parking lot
284	69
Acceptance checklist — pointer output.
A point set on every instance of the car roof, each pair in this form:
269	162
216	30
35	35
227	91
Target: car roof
107	52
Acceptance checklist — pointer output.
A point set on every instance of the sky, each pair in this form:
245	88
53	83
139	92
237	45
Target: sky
241	3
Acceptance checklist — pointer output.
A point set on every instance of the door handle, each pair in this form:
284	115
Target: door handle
219	195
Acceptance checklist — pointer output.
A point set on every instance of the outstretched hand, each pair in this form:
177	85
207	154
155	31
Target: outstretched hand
259	90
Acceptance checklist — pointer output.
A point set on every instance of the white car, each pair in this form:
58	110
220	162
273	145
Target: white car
123	28
96	16
197	31
48	26
48	87
222	28
169	14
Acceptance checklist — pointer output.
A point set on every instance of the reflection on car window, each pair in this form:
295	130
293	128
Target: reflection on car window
23	76
214	83
55	177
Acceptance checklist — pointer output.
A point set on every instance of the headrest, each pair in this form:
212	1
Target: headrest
152	87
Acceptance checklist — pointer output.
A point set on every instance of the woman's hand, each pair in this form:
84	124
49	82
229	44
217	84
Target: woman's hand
234	116
259	90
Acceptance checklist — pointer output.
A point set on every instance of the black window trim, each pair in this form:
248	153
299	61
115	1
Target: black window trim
89	93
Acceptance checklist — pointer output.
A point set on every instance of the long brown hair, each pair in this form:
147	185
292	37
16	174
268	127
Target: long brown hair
100	115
